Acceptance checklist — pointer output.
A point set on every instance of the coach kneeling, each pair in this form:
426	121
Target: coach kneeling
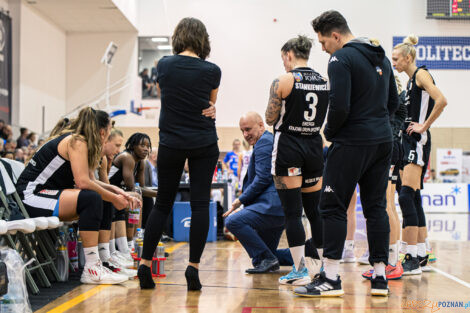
260	223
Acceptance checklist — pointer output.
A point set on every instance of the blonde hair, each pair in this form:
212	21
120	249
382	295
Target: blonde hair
86	127
399	85
407	46
374	41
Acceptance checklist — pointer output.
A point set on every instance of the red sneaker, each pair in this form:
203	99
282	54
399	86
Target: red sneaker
391	272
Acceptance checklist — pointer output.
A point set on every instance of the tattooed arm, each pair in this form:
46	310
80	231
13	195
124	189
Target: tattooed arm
274	104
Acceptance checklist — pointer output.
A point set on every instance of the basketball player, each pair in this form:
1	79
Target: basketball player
362	97
424	103
297	108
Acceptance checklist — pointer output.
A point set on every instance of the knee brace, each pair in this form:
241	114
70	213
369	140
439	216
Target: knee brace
310	202
89	210
291	200
107	216
407	205
419	209
119	215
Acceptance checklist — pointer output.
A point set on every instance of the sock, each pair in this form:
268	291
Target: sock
331	268
121	243
349	244
428	244
421	249
413	250
379	269
298	254
112	245
91	255
393	254
103	250
320	254
403	246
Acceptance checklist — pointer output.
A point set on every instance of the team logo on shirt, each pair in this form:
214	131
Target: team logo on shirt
297	77
294	171
379	70
333	59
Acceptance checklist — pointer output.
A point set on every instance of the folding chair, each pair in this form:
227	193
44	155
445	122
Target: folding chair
23	235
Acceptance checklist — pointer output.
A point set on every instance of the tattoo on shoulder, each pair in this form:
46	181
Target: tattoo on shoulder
274	104
278	183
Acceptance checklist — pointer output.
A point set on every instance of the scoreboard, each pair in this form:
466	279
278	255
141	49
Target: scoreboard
448	9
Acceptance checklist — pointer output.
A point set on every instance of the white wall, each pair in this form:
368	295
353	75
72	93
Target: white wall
42	68
129	8
246	42
86	76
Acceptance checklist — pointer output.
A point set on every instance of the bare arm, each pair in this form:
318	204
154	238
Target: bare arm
128	164
274	104
103	171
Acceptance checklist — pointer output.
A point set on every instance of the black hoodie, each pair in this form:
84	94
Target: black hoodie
363	95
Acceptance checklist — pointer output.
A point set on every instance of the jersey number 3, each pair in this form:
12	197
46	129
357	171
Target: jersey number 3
312	100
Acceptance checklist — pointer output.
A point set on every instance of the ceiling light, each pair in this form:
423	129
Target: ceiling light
166	47
160	39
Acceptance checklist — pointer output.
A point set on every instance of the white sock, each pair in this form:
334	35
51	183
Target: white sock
379	269
393	254
331	268
298	253
112	245
421	249
91	255
349	244
320	253
121	243
403	246
413	250
103	250
428	244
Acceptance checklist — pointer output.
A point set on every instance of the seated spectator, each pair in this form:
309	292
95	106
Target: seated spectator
8	155
10	146
22	140
57	182
7	132
32	139
434	178
19	155
260	223
1	145
151	178
231	158
41	141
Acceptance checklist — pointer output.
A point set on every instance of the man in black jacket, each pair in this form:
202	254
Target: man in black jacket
363	95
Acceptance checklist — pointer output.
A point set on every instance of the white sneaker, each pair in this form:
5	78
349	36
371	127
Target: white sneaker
122	259
348	256
364	259
116	267
126	256
99	275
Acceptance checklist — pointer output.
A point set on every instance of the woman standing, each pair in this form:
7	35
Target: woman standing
189	87
424	103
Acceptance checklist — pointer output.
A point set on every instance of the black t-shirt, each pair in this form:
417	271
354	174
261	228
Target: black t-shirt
185	84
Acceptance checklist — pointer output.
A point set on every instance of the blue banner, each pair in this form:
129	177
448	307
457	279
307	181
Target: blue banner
441	53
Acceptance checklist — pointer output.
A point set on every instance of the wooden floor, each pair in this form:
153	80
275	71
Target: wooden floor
227	289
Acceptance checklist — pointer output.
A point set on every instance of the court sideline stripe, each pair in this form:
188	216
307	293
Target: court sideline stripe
458	280
80	298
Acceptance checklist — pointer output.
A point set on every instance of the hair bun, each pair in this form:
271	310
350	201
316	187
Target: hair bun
411	40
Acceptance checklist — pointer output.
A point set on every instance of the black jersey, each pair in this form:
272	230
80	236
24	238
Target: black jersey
399	117
115	173
47	170
304	109
418	103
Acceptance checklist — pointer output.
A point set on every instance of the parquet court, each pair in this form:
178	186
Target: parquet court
227	289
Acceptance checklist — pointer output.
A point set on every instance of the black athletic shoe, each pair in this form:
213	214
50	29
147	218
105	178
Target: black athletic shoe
423	263
192	278
411	265
379	286
266	266
145	277
321	287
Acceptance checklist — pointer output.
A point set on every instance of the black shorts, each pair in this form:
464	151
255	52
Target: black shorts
298	156
417	152
41	203
397	161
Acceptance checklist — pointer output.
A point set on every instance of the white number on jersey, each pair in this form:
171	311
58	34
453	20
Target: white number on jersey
309	114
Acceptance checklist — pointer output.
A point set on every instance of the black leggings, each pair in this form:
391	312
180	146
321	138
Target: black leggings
170	163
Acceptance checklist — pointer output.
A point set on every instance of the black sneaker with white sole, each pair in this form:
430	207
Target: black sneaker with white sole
379	286
423	263
411	265
321	287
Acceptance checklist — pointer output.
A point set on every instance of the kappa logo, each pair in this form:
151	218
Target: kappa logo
186	222
328	189
333	59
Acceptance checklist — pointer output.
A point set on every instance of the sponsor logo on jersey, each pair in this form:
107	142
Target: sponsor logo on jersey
294	171
312	180
379	70
333	59
32	162
49	192
328	189
297	77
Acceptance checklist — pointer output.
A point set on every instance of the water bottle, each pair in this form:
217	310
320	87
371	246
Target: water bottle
225	177
159	253
62	260
81	253
134	214
219	175
72	249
